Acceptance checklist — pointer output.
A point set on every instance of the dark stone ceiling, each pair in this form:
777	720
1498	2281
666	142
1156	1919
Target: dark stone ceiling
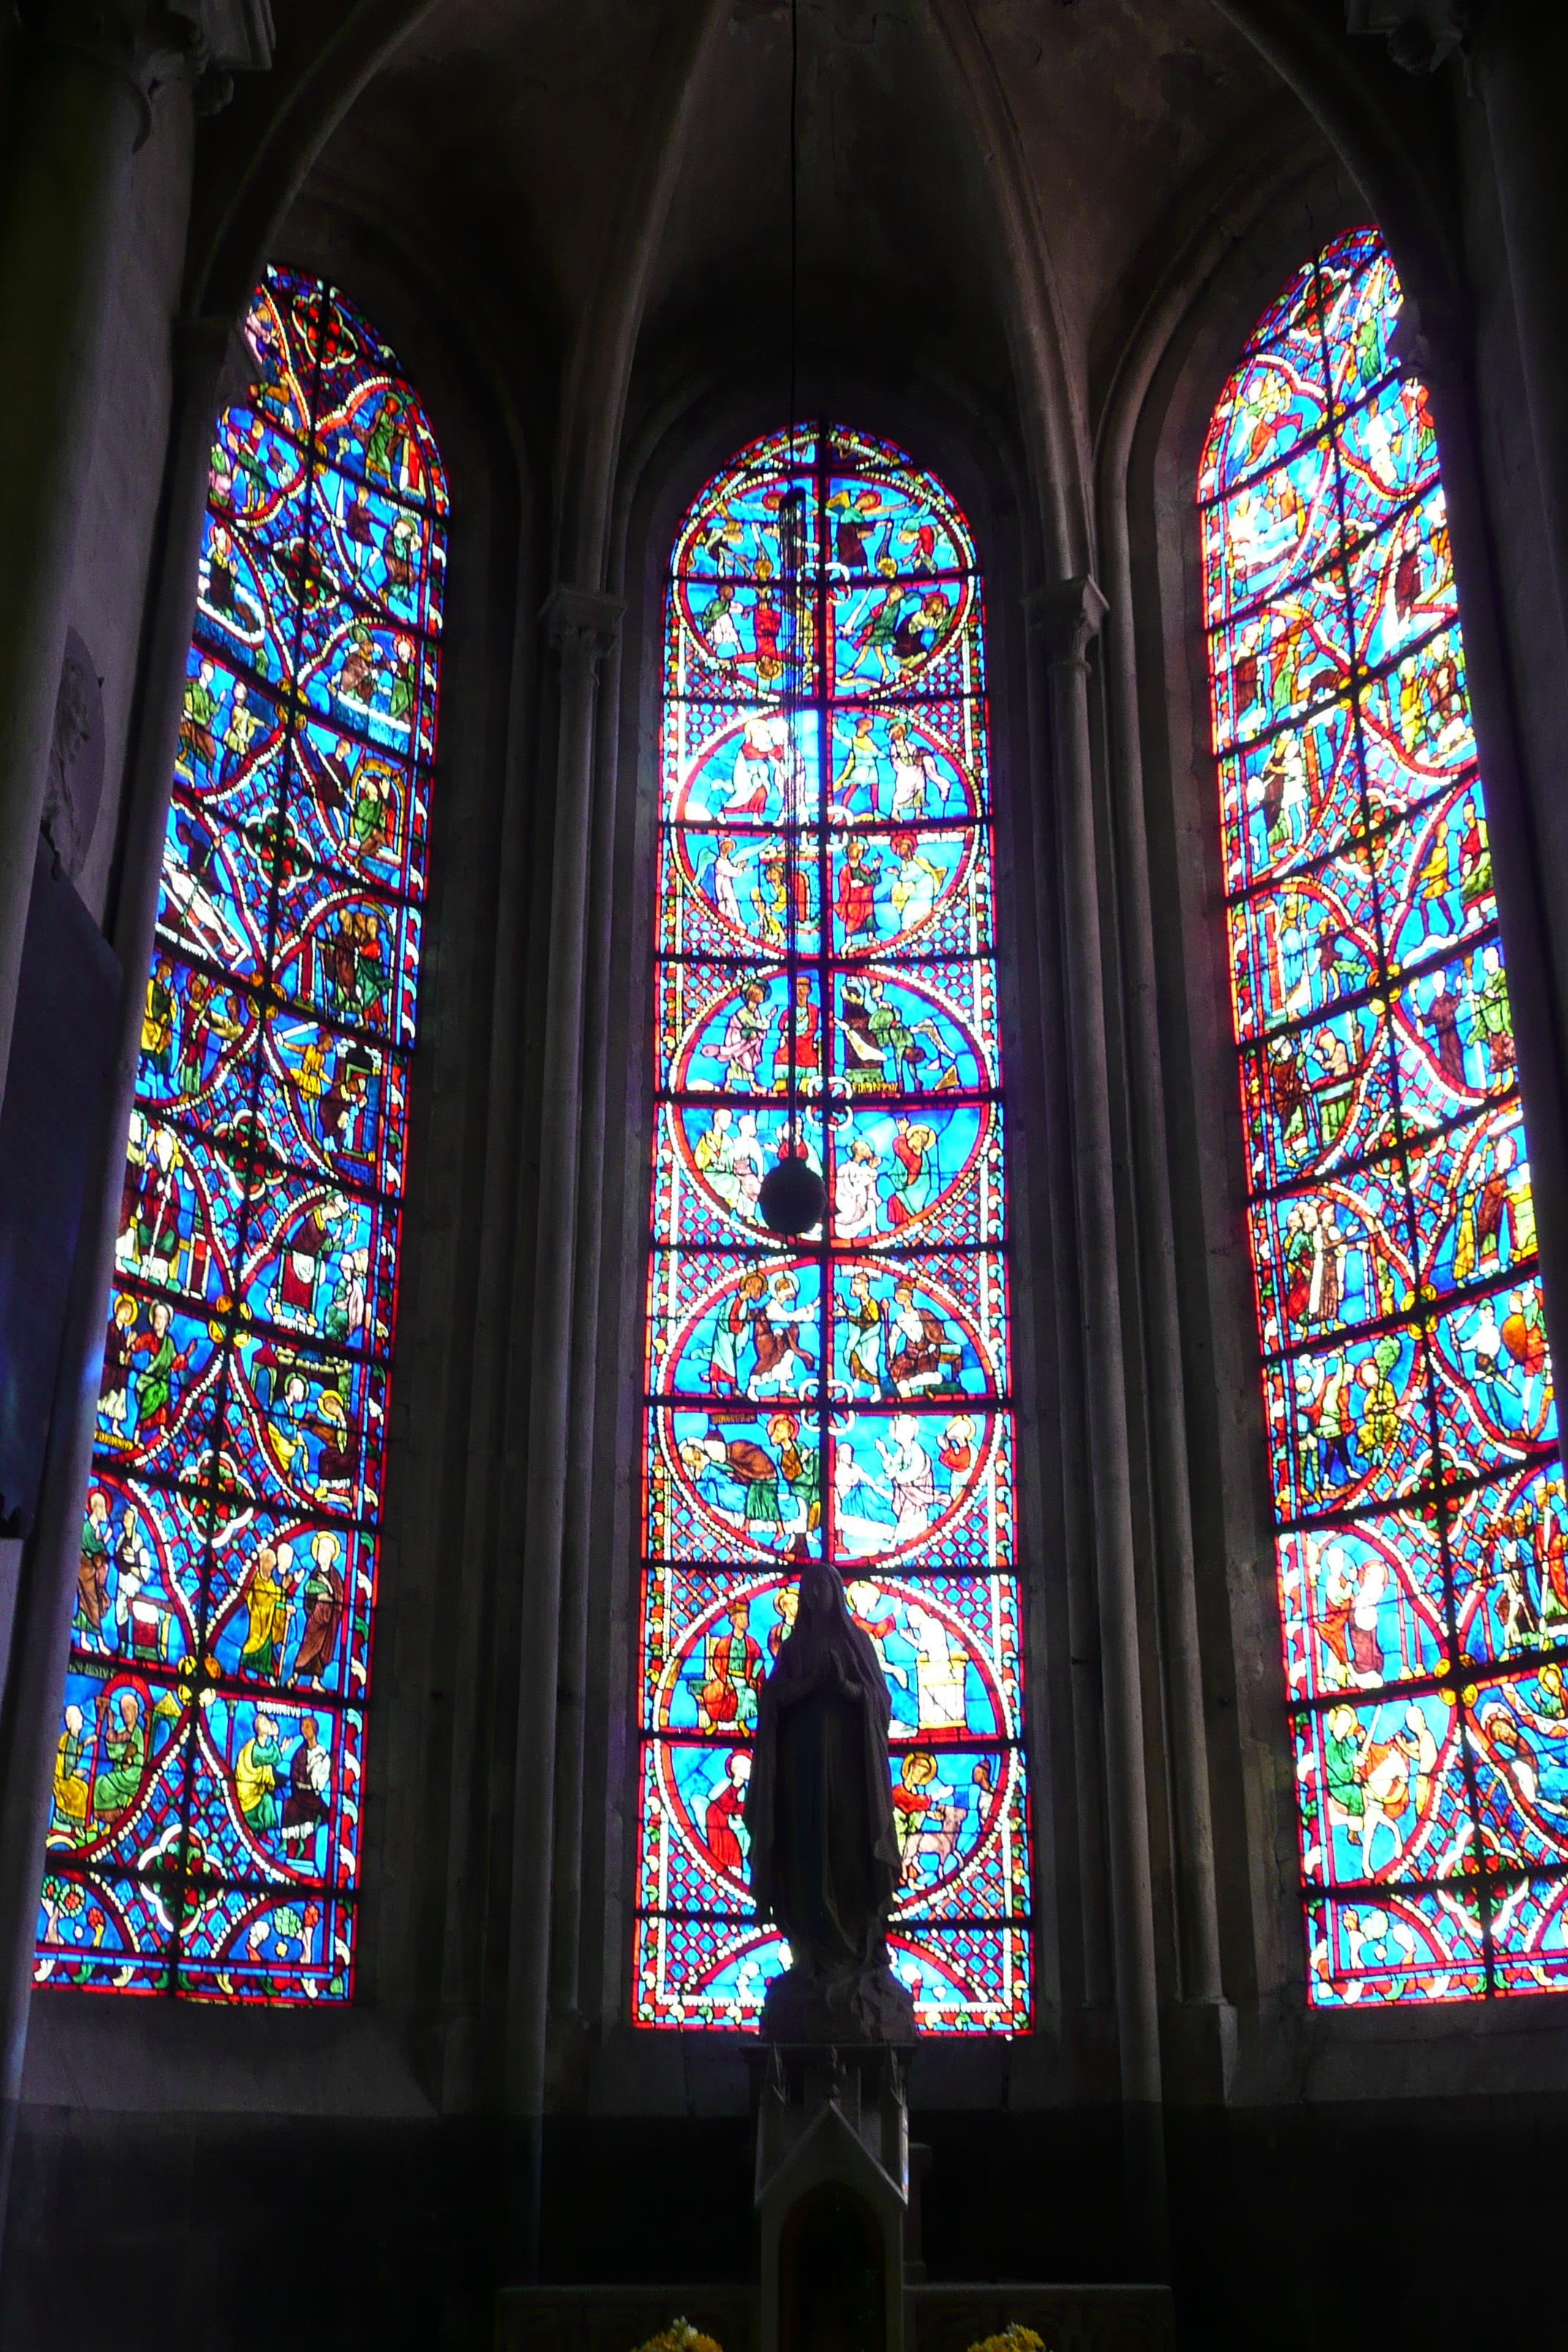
496	137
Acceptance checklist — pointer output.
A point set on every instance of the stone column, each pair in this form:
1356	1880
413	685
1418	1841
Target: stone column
1520	68
1066	617
1059	1322
566	1991
581	625
1518	52
80	105
1197	1924
30	1726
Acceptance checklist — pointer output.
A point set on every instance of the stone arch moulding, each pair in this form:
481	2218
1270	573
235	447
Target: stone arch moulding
1166	783
435	1744
480	835
662	476
1055	430
1270	183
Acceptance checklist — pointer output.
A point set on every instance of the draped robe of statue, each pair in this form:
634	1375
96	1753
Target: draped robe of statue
825	1859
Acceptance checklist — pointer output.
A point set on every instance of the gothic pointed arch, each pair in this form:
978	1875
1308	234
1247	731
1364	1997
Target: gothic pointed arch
205	1830
1421	1529
826	992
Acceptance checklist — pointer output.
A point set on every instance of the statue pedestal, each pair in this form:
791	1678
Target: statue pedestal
870	2009
832	2195
838	2202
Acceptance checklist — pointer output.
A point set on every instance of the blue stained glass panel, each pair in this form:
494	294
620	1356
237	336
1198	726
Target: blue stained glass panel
825	908
203	1832
1418	1481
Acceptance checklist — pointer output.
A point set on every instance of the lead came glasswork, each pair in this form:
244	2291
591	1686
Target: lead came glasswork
1418	1487
203	1835
846	1394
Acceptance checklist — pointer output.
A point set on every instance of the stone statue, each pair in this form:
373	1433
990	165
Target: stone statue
824	1848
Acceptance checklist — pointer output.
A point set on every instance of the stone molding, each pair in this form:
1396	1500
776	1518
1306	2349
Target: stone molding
1422	35
1065	617
150	42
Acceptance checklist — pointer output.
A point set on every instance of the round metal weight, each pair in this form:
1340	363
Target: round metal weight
794	1198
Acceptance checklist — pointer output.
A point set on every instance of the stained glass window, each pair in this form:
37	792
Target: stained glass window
825	901
1418	1490
208	1782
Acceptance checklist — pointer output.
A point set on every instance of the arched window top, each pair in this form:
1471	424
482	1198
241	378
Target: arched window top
1422	1539
824	905
878	508
208	1789
1318	351
330	387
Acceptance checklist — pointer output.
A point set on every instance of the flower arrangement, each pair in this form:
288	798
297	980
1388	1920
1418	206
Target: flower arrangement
1013	2338
681	2336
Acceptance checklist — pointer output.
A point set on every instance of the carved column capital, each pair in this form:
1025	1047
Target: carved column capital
1422	35
1432	340
1065	617
147	43
582	623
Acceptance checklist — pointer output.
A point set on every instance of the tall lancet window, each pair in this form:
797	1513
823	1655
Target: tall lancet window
208	1785
824	940
1423	1538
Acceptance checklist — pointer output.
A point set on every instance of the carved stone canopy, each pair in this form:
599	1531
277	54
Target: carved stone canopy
153	41
1422	35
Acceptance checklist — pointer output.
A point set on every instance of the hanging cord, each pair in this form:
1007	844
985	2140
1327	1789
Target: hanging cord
793	210
794	685
792	537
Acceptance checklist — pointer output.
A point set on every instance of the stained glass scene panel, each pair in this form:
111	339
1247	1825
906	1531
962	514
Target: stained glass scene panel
826	985
1417	1476
203	1836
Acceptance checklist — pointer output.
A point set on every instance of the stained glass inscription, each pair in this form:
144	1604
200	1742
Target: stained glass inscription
825	908
1417	1478
204	1827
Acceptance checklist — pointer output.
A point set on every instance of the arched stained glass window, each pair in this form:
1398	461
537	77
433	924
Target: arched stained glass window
1413	1433
829	871
208	1782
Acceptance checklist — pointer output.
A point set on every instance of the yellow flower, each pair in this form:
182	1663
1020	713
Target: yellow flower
680	2336
1013	2338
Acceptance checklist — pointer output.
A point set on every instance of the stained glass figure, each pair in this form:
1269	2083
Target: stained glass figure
825	988
205	1830
1418	1486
